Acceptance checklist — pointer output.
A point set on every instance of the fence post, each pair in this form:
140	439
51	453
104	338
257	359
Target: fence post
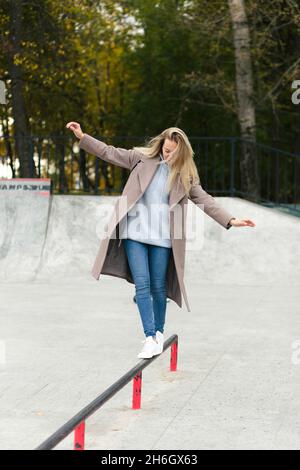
232	166
173	361
79	436
137	391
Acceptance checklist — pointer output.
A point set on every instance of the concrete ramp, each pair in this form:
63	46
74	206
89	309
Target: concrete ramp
44	236
72	242
24	214
264	254
267	253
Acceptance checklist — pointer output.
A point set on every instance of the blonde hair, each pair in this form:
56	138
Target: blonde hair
182	160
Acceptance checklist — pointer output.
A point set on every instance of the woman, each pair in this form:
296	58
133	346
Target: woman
163	176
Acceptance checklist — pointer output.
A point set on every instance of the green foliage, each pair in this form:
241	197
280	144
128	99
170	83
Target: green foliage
135	67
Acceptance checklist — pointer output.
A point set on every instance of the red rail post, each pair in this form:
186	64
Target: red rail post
79	436
137	391
173	361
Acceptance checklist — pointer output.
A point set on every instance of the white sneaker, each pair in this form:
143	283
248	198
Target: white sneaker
160	339
150	348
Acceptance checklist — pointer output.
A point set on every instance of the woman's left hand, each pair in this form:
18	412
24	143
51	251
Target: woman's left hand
242	223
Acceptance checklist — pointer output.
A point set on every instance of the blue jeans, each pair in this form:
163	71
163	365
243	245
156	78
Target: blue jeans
148	265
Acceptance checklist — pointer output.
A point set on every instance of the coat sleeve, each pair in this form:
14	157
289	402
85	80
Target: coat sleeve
115	155
210	206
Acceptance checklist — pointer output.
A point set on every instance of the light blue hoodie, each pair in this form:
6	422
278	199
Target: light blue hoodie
148	220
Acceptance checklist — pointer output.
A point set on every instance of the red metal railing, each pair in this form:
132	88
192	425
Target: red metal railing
77	423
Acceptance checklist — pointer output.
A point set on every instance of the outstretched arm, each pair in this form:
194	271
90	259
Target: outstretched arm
210	206
115	155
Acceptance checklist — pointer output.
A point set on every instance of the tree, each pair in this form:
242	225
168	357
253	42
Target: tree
245	101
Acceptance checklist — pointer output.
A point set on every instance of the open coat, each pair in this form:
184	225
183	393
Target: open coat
111	258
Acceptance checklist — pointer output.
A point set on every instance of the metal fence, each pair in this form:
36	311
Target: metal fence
218	159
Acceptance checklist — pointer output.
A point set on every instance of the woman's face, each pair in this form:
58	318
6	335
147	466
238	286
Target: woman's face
168	147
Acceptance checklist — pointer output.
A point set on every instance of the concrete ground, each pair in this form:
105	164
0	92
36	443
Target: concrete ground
65	339
237	385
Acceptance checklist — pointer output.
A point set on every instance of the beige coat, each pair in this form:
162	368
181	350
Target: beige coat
111	258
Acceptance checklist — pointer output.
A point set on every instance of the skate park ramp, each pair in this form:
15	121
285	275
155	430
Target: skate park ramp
66	337
24	215
52	236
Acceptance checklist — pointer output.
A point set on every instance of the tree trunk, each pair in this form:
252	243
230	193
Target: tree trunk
60	152
13	49
245	105
7	140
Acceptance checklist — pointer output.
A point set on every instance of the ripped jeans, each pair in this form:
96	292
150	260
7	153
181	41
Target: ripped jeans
148	265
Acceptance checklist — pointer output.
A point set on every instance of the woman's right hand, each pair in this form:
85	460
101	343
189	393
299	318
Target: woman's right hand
75	127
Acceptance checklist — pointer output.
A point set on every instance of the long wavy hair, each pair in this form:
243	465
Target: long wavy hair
182	160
